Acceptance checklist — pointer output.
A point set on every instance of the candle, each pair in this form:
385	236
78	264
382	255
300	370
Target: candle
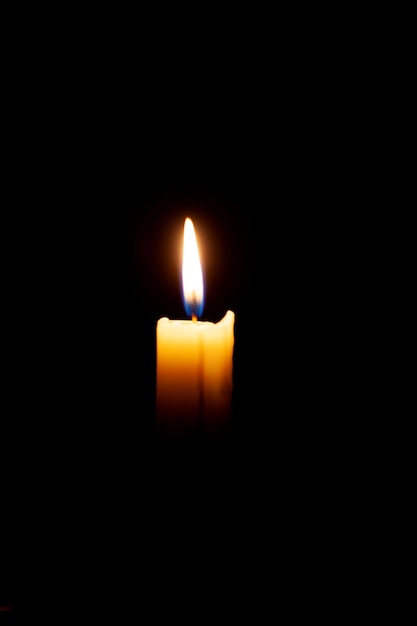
194	358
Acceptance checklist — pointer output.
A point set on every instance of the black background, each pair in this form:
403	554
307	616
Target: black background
102	170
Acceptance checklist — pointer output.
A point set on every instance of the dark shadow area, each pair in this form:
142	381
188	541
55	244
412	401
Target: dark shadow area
93	236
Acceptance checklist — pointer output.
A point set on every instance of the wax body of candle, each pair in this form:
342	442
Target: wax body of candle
194	370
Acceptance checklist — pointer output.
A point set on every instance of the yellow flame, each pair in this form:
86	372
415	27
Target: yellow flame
192	275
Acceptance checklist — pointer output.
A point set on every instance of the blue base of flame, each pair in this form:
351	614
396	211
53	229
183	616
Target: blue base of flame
196	309
193	308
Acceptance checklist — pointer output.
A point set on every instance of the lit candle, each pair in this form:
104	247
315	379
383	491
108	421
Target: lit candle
194	358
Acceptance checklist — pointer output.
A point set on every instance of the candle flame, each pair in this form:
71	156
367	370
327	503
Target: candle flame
192	274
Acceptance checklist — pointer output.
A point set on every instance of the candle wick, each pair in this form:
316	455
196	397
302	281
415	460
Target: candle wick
194	306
